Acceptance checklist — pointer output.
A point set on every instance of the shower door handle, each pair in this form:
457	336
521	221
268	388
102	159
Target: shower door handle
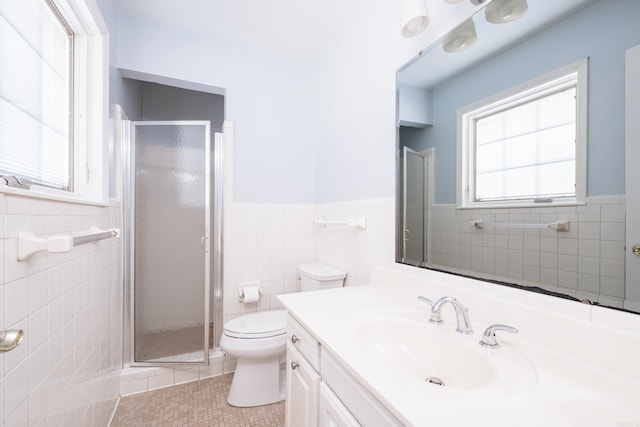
203	243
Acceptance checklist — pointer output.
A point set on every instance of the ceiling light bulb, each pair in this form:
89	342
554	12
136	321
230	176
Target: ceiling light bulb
460	38
503	11
415	17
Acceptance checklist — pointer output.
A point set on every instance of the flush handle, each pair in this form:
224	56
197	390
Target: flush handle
294	339
636	249
294	365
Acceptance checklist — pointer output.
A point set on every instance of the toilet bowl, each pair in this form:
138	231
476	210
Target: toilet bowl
259	342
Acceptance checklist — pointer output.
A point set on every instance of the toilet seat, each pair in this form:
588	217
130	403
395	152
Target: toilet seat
264	324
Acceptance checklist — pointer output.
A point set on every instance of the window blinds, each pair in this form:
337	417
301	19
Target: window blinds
35	93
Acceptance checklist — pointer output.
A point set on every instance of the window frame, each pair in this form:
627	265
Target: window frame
90	86
532	89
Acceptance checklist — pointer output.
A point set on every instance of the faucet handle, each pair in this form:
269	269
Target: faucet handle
489	335
435	309
426	300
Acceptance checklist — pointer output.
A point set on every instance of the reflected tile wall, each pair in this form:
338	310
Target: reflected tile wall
69	305
585	262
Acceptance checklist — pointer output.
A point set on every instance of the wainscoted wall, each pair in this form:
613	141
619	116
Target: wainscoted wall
267	242
264	243
587	261
351	249
69	305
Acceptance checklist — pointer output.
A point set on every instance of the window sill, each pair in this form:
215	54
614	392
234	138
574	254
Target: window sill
58	196
514	205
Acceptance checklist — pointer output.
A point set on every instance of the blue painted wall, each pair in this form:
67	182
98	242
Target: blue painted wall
590	33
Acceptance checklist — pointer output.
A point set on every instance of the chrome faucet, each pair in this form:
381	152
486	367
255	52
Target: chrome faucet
489	336
464	324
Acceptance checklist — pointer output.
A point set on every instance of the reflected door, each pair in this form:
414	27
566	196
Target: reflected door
171	265
632	120
413	208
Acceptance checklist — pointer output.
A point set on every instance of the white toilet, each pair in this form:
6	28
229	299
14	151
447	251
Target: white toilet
259	342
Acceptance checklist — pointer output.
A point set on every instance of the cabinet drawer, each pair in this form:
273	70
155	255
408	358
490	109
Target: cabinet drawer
303	342
364	407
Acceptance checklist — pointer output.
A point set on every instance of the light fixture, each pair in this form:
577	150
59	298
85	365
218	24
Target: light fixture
415	17
453	1
460	38
503	11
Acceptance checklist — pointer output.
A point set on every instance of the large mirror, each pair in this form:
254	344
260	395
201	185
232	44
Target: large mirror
512	150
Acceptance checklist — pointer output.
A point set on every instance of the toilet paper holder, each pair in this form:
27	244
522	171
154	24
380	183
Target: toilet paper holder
242	286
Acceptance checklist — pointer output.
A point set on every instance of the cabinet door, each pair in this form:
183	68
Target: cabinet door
301	407
331	411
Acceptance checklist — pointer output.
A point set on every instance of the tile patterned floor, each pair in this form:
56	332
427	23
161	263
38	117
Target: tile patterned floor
200	403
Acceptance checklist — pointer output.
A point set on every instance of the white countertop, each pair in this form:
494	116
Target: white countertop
577	377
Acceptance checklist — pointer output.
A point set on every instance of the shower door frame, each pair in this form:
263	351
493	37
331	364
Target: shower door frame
129	196
405	193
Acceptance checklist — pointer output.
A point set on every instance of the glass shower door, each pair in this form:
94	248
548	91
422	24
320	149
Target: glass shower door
170	191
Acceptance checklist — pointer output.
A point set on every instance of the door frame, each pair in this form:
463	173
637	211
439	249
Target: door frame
632	177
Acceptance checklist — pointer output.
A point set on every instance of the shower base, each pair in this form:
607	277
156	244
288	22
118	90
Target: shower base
180	345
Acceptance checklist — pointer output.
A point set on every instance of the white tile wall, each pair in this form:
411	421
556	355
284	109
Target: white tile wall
351	249
267	243
586	262
264	243
69	305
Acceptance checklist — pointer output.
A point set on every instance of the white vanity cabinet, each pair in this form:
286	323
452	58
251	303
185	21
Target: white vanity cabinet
303	379
301	406
331	411
321	392
354	397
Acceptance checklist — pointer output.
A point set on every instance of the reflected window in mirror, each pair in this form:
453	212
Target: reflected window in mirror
527	145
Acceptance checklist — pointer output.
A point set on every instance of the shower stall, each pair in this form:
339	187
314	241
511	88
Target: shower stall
173	247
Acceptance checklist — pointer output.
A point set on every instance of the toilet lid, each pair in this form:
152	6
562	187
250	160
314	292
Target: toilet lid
257	325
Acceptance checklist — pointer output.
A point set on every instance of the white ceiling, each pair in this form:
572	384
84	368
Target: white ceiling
294	28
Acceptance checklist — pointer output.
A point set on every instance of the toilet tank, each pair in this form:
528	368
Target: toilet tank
314	276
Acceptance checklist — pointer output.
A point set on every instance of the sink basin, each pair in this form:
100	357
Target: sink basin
436	354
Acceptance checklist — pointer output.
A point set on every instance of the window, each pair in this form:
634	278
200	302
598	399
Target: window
527	146
52	96
35	93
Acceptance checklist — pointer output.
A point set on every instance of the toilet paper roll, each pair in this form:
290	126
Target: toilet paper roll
250	294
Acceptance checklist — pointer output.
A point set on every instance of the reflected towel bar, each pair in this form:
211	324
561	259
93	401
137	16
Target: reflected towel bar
560	225
29	244
357	222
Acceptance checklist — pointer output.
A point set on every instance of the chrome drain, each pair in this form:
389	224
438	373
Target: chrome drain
434	380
